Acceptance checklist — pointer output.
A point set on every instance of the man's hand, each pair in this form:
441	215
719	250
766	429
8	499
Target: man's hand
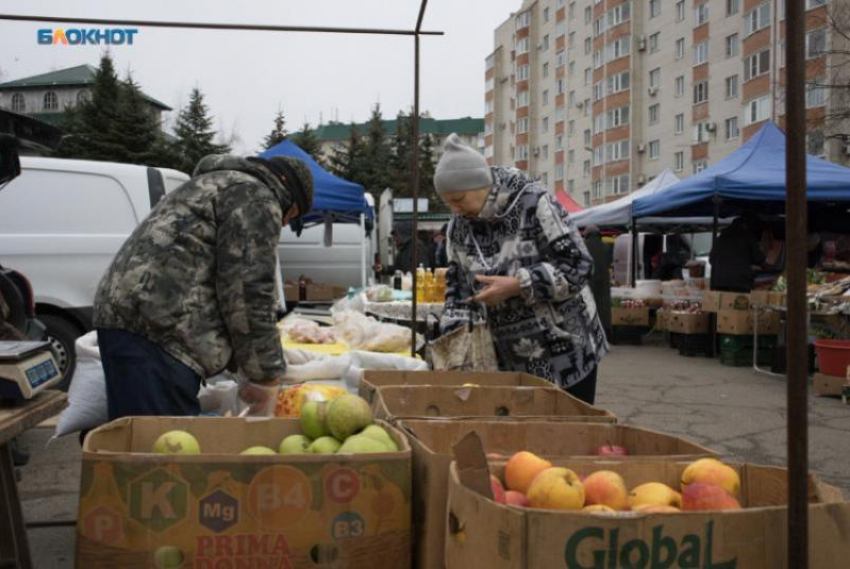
497	291
260	398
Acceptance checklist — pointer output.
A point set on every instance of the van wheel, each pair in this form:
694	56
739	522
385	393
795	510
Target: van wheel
62	334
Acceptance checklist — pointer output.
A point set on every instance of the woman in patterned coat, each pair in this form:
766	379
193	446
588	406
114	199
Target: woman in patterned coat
517	261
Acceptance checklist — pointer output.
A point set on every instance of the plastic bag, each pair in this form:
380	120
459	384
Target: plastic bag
256	399
291	398
87	394
362	332
304	331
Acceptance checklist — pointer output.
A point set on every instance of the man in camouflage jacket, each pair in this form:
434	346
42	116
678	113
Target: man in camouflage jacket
192	290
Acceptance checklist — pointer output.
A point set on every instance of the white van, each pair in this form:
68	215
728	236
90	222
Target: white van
62	222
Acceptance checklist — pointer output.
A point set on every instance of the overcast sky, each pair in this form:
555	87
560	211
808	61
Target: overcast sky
247	76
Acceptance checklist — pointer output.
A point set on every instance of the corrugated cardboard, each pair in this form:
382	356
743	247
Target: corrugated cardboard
622	316
686	323
432	442
482	533
827	385
411	402
742	321
768	298
225	510
662	319
290	292
715	301
370	380
324	292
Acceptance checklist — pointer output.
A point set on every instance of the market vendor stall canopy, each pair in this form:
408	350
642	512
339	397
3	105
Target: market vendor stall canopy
619	212
343	200
568	202
753	173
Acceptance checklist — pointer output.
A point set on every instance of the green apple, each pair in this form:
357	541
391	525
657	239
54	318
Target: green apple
258	450
294	444
325	445
176	442
359	444
168	557
348	414
379	434
314	419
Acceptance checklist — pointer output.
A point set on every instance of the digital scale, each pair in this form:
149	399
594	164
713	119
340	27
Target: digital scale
26	368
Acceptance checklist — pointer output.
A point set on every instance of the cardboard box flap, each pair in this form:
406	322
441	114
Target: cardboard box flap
472	466
370	380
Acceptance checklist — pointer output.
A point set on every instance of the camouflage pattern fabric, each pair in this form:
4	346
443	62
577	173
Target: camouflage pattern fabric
197	276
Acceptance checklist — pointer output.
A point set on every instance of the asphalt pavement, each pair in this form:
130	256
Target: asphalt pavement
736	411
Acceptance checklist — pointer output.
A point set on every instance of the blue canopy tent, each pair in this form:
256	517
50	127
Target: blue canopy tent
753	173
335	198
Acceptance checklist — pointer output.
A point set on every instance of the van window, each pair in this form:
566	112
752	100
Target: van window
46	201
156	187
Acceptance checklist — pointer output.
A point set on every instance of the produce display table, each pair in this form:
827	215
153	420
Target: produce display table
14	547
403	310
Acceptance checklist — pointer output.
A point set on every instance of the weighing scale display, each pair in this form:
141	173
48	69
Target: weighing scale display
41	373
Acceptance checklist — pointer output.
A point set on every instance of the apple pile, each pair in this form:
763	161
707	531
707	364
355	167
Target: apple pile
531	481
343	425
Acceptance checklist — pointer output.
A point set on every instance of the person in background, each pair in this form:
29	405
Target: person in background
402	236
514	250
192	290
603	256
439	257
735	257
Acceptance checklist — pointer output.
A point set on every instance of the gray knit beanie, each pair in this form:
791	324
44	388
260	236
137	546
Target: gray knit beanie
461	168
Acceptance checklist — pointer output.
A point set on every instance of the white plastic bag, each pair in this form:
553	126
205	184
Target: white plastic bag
362	332
87	394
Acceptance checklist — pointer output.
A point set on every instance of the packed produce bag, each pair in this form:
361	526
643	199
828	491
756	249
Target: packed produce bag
290	399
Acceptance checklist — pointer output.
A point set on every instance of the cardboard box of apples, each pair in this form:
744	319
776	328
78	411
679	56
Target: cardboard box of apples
432	441
331	488
534	513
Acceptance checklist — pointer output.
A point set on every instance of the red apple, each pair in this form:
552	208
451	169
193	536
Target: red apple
498	489
514	498
612	450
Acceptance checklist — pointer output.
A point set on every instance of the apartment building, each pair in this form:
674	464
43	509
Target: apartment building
596	97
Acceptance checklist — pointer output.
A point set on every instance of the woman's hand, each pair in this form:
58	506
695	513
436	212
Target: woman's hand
497	290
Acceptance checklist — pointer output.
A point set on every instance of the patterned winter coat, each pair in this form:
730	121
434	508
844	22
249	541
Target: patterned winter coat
552	329
197	276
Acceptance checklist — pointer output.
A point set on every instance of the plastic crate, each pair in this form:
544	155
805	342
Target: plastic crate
735	342
741	358
694	345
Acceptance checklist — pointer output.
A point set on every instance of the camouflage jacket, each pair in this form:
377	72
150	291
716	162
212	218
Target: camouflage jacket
197	275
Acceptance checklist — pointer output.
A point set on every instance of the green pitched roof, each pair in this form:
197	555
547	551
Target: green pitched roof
80	75
465	125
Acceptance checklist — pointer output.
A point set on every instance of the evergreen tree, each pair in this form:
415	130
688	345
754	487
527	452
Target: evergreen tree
377	153
347	162
307	140
278	133
138	126
195	136
426	170
402	157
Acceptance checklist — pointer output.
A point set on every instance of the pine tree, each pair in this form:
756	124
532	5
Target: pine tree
194	134
347	162
137	125
402	157
426	170
278	133
307	140
377	153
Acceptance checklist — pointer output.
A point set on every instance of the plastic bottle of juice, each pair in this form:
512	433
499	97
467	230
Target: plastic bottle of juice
441	286
420	284
430	287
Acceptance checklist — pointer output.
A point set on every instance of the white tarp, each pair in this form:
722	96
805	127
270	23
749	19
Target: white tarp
619	213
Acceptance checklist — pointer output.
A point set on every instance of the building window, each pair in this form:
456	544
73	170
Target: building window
700	92
680	123
545	96
571	40
522	99
732	44
546	42
680	10
655	42
571	128
546	14
654	8
617	151
680	86
757	18
680	161
654	149
680	48
546	152
546	70
701	132
572	68
699	166
522	46
559	171
572	11
488	107
544	178
522	152
700	53
588	75
560	86
757	110
618	184
18	103
701	14
523	20
559	143
544	124
587	137
732	7
588	15
757	64
732	87
522	125
586	110
571	156
654	113
655	77
597	190
560	28
597	91
560	58
588	45
815	143
815	43
619	82
560	113
51	102
522	73
815	95
731	128
571	186
618	48
617	117
586	196
585	169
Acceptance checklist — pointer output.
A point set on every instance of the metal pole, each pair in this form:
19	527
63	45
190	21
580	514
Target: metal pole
715	226
795	270
363	241
415	180
214	26
634	256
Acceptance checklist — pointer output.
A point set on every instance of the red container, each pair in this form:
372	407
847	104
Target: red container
833	356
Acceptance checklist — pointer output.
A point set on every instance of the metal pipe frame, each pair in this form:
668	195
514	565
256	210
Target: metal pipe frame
795	269
415	183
